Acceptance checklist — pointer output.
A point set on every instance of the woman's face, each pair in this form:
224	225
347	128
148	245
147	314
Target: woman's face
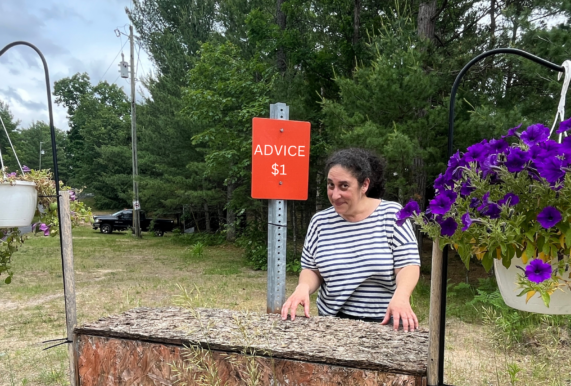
344	191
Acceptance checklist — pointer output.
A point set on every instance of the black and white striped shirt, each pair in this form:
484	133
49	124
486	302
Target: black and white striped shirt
357	260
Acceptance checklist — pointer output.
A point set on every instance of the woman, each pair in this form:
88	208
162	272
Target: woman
364	265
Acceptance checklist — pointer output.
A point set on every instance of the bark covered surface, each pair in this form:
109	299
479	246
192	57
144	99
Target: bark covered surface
325	340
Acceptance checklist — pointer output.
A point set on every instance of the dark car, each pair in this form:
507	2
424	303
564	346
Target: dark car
123	220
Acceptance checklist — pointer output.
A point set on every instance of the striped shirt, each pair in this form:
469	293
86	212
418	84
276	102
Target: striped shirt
357	260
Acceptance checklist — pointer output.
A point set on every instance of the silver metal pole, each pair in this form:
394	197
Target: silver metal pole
69	280
277	236
136	206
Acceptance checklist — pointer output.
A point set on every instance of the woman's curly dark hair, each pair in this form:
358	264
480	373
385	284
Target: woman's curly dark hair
362	164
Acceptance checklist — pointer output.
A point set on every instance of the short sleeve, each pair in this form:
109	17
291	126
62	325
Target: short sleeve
405	246
310	245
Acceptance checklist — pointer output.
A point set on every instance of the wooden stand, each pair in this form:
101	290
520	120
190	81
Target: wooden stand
147	346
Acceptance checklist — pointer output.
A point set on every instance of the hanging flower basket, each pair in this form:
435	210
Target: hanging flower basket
507	278
507	203
18	203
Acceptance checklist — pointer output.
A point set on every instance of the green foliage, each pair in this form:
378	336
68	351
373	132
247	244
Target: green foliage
254	241
510	327
47	217
197	250
99	138
293	263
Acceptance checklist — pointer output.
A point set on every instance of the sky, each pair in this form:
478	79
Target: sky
74	36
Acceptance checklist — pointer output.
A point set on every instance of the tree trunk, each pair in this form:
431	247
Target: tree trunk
230	215
426	22
356	21
492	23
419	172
281	54
318	206
207	215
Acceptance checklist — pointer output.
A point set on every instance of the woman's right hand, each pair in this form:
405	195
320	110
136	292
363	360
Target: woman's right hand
299	297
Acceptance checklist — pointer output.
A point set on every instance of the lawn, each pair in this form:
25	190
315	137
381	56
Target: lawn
117	272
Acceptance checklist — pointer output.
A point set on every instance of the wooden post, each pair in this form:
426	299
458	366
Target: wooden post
434	315
69	281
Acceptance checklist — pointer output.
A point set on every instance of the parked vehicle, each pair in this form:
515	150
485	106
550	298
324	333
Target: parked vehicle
123	220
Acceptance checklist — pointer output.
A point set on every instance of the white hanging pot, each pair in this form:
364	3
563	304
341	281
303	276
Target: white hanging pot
18	203
559	304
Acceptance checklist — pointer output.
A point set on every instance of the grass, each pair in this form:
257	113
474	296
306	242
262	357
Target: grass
487	344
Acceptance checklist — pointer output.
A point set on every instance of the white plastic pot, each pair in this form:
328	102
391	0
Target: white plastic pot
559	304
18	203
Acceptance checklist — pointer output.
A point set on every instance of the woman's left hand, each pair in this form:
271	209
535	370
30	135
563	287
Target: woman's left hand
399	308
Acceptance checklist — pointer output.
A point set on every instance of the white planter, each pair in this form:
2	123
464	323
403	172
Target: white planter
560	300
18	203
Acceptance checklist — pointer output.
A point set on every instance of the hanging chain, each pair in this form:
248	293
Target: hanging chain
561	107
14	150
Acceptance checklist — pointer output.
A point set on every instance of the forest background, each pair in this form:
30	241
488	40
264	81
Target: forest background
365	73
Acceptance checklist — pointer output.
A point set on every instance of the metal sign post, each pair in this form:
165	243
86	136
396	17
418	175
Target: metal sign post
277	236
280	172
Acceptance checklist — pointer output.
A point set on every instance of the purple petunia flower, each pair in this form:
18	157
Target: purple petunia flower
475	202
448	227
440	204
45	229
455	164
13	174
551	169
516	160
466	221
564	126
490	163
497	145
492	211
513	132
565	146
442	183
537	271
535	134
549	217
485	201
466	189
25	169
72	195
408	211
452	195
510	199
477	152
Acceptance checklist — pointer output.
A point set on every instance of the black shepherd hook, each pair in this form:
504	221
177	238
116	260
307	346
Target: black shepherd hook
478	58
52	131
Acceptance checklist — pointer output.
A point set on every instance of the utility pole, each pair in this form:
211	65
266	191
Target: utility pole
41	152
136	205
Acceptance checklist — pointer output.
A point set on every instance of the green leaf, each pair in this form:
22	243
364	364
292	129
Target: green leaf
488	260
8	280
568	238
530	251
546	298
507	257
546	248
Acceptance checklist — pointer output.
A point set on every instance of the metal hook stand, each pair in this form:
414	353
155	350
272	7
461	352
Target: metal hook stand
444	267
68	282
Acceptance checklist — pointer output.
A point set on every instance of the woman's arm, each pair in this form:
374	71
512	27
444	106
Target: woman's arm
399	306
309	282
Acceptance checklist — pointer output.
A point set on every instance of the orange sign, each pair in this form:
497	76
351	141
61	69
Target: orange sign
280	159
